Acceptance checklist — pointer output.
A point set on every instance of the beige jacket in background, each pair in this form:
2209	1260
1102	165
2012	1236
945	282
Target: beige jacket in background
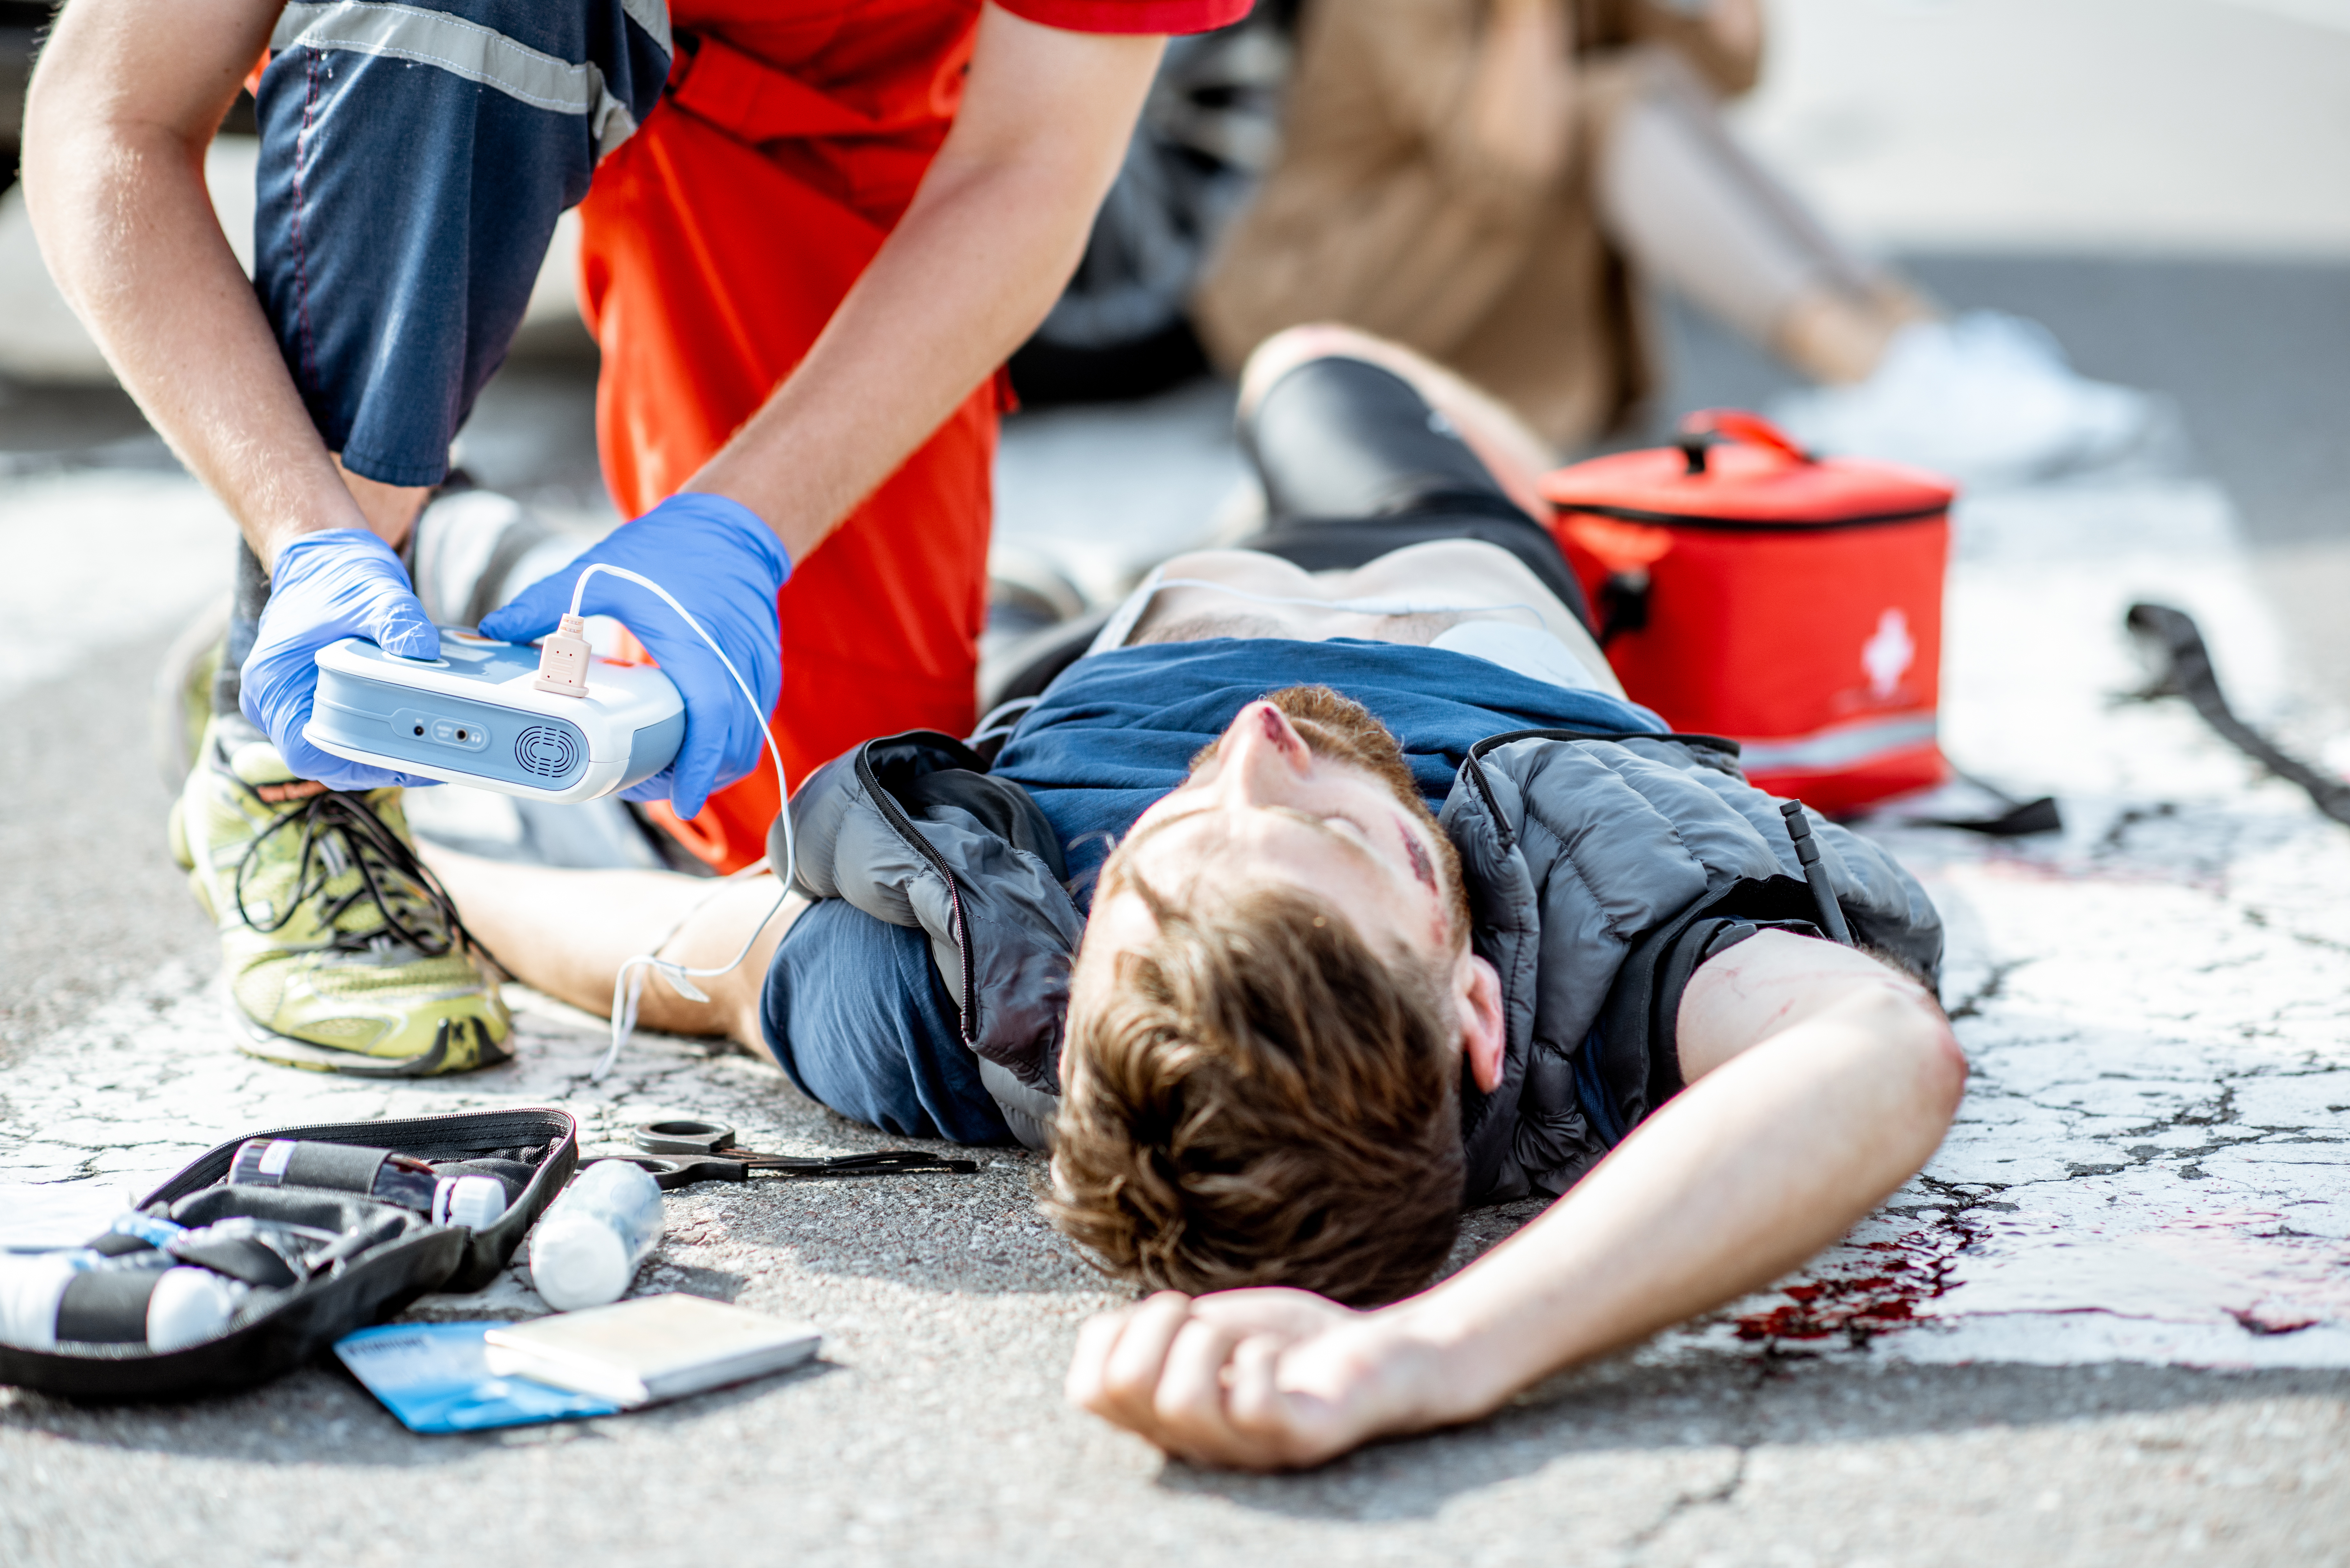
1384	213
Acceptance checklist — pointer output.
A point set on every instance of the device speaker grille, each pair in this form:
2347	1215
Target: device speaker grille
547	753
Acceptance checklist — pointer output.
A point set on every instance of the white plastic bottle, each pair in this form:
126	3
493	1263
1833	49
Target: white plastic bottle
591	1240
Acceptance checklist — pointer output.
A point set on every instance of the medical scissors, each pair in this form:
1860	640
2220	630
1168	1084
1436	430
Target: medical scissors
689	1149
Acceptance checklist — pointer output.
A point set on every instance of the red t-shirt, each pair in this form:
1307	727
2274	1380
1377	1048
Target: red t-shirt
835	39
868	87
1130	16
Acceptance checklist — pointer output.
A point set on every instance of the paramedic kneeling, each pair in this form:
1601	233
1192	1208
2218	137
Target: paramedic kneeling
811	234
1410	909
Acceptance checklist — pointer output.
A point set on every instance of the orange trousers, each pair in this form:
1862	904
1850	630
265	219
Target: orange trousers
718	241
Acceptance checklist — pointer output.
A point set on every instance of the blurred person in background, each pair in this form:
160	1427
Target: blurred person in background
1493	182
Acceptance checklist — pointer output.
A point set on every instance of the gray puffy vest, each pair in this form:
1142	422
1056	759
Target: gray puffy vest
1601	872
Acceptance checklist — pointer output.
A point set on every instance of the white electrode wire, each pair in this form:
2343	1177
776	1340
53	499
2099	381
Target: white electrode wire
1353	606
629	985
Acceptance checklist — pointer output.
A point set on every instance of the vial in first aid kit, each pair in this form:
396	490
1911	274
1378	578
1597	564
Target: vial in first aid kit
592	1239
79	1296
189	1307
473	1201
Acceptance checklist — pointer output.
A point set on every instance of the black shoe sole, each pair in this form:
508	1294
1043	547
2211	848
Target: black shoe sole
284	1051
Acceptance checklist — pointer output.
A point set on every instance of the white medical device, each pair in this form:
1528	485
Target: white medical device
479	715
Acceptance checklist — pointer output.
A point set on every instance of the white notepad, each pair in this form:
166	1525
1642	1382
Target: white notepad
654	1348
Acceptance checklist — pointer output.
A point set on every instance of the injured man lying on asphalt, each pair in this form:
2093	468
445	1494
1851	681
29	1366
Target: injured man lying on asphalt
1336	886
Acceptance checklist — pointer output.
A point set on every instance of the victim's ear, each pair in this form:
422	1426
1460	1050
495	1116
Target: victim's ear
1483	1036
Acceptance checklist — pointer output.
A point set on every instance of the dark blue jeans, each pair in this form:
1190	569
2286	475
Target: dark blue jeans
854	1010
414	159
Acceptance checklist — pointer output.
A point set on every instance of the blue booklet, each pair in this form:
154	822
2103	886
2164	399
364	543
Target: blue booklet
434	1378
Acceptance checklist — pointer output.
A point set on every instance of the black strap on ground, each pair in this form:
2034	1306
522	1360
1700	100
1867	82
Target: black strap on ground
2020	818
2186	671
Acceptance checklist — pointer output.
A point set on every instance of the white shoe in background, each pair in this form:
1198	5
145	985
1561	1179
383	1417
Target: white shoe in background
1987	398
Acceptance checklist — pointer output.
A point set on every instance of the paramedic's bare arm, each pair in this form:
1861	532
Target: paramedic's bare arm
992	236
1819	1084
127	97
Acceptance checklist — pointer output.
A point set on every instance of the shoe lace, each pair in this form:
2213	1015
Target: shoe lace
338	827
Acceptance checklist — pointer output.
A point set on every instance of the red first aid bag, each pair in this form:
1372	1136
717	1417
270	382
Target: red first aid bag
1793	604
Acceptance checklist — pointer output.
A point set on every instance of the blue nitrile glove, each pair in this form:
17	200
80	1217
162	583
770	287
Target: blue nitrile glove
718	560
324	587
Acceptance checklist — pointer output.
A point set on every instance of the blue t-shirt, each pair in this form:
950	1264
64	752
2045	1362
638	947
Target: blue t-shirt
1118	730
853	1011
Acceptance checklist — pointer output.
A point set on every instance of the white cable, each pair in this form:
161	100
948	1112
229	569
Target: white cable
629	985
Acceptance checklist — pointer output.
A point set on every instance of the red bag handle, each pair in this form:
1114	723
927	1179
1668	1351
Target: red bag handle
1736	424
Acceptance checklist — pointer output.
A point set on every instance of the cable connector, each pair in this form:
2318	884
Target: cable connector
563	660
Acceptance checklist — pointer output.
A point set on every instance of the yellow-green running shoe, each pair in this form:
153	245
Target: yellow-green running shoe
343	953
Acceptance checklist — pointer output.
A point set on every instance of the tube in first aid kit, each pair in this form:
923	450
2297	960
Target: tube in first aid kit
473	1201
189	1307
168	1308
594	1238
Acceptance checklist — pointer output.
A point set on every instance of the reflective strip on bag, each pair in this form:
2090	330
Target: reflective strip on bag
1845	746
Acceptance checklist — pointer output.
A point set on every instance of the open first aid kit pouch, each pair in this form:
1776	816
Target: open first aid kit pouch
260	1253
1793	604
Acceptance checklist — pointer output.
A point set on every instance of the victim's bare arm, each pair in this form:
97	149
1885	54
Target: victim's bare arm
1819	1081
